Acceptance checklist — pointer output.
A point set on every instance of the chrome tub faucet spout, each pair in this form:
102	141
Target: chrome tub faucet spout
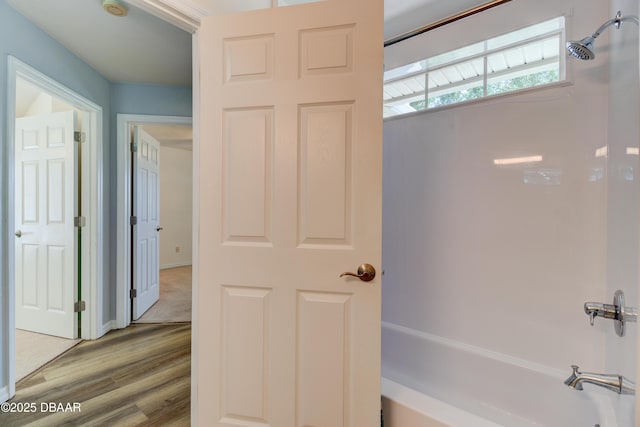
616	383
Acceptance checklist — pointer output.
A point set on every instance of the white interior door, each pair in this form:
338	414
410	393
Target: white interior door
289	182
46	182
146	231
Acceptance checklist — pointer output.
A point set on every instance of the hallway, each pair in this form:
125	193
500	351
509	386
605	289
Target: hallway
34	350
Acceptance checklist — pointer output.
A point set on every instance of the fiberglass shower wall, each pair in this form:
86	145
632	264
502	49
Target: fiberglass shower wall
623	177
498	260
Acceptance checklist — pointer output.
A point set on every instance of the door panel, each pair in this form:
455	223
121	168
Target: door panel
324	366
146	205
46	238
248	143
325	209
290	197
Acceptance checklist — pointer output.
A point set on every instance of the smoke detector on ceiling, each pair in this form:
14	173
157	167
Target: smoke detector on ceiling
115	7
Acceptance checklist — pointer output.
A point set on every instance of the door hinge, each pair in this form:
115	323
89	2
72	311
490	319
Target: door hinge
134	147
79	306
79	221
79	136
133	220
133	293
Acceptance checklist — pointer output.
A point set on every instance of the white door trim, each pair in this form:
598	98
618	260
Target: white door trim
195	243
123	203
184	14
92	203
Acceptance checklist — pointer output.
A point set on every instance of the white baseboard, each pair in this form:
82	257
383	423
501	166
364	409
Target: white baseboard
106	327
4	394
174	265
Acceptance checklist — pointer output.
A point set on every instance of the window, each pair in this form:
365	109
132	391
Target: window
518	60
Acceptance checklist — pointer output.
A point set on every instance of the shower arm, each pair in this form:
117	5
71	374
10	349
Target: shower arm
617	21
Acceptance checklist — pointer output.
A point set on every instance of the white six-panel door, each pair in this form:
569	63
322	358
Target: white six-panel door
146	234
45	235
289	198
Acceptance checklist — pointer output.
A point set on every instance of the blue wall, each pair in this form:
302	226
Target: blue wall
128	98
23	40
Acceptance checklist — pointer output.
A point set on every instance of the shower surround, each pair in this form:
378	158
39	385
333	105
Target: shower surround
487	265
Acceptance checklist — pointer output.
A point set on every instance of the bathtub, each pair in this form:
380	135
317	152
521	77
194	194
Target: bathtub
430	381
404	407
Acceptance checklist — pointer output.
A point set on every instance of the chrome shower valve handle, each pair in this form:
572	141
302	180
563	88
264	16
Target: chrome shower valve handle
617	311
596	309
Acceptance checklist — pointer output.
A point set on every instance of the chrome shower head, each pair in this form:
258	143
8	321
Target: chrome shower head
582	49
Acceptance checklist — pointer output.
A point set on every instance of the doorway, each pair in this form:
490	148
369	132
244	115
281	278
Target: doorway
176	212
86	261
40	336
174	134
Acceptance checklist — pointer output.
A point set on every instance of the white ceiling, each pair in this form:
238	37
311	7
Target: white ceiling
137	48
141	48
402	16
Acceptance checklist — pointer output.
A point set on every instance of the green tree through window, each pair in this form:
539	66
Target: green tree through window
522	59
523	82
503	86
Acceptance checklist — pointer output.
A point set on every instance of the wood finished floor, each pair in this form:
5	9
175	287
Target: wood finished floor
138	376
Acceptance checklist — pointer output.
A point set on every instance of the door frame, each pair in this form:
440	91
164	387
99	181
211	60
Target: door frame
123	203
91	262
